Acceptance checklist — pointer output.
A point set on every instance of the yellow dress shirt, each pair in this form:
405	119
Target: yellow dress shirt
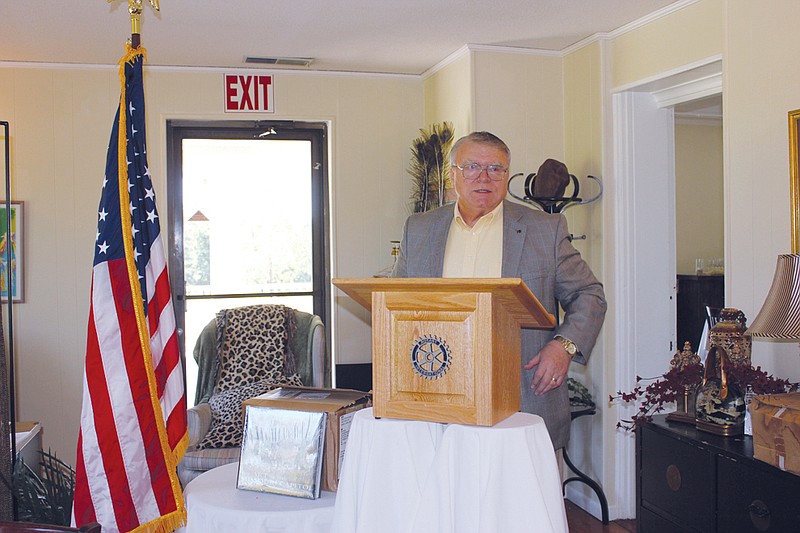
475	252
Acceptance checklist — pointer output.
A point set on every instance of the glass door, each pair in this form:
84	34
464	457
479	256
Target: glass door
250	226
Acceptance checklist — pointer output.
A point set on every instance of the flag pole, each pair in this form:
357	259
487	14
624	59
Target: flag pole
136	20
135	10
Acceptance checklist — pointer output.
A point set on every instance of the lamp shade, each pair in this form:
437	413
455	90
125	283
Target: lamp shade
780	315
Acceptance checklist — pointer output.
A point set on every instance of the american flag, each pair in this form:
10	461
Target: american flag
133	421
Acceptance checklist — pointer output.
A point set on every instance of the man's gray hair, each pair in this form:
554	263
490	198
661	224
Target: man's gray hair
480	137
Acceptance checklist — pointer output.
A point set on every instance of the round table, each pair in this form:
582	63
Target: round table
423	477
213	503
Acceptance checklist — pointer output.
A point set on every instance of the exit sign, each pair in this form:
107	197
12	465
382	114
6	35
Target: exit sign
248	94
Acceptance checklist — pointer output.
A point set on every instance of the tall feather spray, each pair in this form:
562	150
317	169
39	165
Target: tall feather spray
430	167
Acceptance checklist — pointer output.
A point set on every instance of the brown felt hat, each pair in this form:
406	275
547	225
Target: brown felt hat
552	179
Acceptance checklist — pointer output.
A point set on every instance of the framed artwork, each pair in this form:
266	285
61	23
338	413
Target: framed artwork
16	256
794	177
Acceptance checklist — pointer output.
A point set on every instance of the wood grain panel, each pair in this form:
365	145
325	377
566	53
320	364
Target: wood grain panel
473	323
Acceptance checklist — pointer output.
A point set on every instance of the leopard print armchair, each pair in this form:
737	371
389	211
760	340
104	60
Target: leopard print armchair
224	382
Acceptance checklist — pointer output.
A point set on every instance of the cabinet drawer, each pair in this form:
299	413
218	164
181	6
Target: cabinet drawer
649	522
756	499
678	481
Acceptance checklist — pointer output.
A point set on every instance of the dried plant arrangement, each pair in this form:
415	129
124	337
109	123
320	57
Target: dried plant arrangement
669	387
430	167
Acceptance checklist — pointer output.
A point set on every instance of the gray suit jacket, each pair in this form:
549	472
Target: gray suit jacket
536	248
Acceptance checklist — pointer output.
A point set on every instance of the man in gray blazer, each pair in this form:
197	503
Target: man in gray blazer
483	235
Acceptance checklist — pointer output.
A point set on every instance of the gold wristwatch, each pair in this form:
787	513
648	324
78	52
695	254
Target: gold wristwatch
568	345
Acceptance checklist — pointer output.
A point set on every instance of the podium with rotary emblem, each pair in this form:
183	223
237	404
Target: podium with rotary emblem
446	349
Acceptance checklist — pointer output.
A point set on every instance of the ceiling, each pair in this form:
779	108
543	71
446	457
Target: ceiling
407	37
709	108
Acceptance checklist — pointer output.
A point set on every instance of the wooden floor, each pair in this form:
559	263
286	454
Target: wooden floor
582	522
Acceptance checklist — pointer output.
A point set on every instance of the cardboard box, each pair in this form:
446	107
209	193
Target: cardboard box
776	430
340	406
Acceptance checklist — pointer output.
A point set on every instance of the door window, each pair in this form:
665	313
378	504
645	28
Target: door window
247	212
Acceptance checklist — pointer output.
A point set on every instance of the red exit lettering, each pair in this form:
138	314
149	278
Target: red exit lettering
248	94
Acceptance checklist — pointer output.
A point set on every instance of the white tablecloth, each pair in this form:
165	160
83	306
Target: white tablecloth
214	504
401	476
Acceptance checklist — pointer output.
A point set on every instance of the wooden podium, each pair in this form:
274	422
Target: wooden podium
447	349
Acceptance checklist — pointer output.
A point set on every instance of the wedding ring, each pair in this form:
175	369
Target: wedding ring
554	379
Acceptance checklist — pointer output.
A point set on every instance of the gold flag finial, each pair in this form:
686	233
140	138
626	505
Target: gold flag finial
135	10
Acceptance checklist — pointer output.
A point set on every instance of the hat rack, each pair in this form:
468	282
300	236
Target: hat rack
554	204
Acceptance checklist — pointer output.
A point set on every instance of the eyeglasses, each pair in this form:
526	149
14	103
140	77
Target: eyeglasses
472	171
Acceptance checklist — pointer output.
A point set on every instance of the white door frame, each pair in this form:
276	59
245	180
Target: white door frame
643	269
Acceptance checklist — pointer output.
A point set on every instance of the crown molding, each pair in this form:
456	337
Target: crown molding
629	27
583	43
685	92
211	70
452	58
468	48
652	17
513	50
59	66
696	70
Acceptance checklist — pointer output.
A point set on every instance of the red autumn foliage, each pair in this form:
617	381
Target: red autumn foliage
670	387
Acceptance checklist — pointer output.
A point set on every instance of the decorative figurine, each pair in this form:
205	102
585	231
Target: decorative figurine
720	405
685	403
729	334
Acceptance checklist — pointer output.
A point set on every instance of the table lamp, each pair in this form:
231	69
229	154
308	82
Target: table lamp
779	317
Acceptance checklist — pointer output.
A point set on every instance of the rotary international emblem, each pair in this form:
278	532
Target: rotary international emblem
430	356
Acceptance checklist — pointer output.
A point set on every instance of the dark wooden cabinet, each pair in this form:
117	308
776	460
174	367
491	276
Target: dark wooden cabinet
690	481
694	294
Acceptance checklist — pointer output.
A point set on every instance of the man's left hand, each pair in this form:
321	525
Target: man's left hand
552	364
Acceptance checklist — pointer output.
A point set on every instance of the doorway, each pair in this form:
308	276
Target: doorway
699	236
644	242
247	206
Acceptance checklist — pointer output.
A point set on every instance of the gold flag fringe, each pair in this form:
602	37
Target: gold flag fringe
171	521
